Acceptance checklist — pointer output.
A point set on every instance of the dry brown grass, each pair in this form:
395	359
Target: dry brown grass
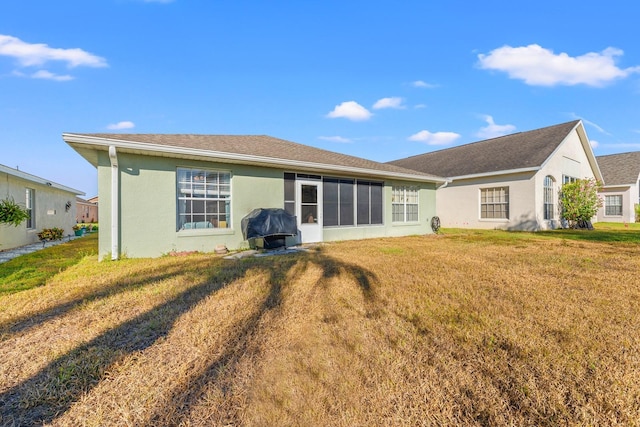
438	330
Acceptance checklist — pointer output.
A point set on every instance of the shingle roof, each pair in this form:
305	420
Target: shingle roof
620	169
517	151
257	146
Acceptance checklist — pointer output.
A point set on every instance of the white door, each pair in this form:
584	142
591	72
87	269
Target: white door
309	210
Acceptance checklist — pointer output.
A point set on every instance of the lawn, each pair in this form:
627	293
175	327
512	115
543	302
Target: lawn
461	328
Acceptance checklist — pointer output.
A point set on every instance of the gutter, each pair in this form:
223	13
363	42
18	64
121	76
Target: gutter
115	205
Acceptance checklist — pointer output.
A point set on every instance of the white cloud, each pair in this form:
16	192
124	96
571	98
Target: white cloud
538	66
594	143
437	138
46	75
36	54
350	110
493	130
423	84
392	102
420	106
121	125
600	129
339	139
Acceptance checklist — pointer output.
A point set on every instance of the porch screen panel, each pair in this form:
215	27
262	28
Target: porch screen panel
330	201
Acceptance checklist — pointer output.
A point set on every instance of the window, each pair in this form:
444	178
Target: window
566	179
404	204
494	203
613	205
290	193
30	199
369	202
548	198
204	199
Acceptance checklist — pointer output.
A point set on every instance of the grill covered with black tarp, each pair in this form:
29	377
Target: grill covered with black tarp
270	226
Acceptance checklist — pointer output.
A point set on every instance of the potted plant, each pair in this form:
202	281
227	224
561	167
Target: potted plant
78	230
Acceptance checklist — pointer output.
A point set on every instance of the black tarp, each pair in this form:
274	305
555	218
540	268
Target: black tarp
272	224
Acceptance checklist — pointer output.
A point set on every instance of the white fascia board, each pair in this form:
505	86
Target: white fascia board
617	186
245	158
496	173
28	177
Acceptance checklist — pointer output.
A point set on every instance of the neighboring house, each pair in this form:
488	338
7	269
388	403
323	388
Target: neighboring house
510	182
86	211
50	205
621	191
164	193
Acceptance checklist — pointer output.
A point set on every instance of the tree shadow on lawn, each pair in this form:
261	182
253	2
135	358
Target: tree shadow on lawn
222	370
51	392
121	284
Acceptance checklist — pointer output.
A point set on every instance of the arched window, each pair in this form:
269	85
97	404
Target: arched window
549	212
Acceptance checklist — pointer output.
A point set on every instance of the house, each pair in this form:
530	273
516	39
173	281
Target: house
621	191
162	193
510	182
86	210
49	204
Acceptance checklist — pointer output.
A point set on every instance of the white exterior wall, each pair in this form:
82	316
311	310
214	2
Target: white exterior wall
458	203
50	210
629	199
569	159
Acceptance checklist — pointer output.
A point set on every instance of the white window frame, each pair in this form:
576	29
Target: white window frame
197	185
615	206
30	205
548	198
405	204
489	198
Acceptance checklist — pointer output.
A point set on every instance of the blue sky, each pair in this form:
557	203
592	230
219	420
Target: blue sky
379	79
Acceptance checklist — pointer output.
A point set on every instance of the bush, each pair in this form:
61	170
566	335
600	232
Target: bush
51	234
637	209
579	201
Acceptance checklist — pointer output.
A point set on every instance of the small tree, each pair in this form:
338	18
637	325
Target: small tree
12	213
579	201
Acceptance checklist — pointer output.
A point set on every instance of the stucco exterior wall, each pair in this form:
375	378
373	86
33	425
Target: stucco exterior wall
570	159
458	204
147	207
49	210
628	201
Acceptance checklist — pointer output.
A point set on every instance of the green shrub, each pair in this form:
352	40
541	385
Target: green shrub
579	201
54	233
637	209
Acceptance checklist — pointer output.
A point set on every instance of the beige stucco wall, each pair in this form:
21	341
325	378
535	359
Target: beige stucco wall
458	203
147	211
50	210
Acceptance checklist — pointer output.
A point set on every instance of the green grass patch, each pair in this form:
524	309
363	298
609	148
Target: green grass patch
34	269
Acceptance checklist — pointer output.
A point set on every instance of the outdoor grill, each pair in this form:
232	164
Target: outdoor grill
268	227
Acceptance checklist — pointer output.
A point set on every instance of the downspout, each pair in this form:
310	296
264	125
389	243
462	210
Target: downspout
115	206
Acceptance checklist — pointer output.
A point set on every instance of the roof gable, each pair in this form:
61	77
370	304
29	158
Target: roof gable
256	149
620	169
523	150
